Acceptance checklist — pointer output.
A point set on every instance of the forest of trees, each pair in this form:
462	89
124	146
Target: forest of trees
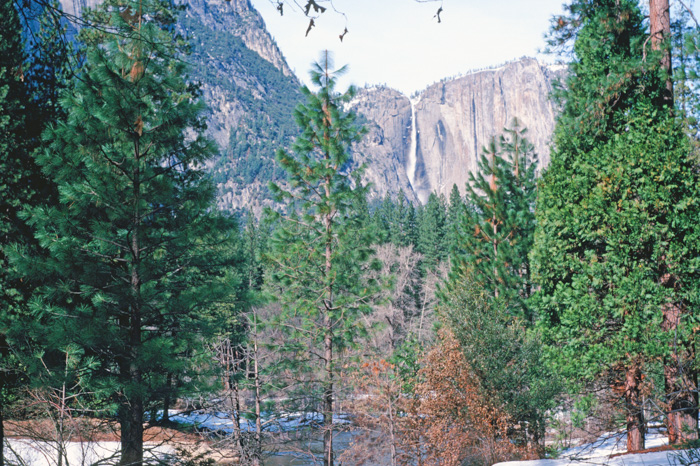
532	306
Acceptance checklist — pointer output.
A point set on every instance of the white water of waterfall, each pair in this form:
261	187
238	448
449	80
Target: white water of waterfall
411	159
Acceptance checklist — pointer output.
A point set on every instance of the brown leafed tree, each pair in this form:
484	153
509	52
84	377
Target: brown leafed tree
460	423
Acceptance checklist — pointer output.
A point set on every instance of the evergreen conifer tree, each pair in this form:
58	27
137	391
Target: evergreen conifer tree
455	212
495	233
321	253
615	247
431	232
24	113
12	189
135	256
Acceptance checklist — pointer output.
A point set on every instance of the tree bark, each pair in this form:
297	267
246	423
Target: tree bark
165	418
328	398
2	430
133	404
660	36
634	409
680	382
328	320
257	453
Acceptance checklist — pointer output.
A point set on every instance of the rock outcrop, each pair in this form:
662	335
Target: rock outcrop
454	120
238	17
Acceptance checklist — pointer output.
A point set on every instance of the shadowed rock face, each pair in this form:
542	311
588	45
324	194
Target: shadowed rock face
386	114
454	120
238	17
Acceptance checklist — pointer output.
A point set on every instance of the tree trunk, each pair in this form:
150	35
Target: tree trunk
132	404
328	397
660	31
165	418
131	423
680	382
328	329
634	409
236	411
257	453
2	430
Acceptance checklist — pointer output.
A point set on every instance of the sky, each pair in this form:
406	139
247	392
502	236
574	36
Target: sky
400	43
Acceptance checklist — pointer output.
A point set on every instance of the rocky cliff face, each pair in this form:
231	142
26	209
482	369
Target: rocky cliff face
238	17
386	114
452	121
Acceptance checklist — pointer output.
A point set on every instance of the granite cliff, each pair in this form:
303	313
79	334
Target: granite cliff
435	138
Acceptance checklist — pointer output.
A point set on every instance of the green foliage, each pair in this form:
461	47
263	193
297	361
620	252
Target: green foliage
455	212
431	232
266	96
136	266
503	355
395	221
616	203
610	225
608	72
494	233
321	252
686	76
26	83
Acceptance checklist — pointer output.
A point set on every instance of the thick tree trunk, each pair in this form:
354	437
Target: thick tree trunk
133	403
680	382
132	433
165	418
634	409
660	31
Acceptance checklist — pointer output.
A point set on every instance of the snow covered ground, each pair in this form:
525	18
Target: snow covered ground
25	452
600	453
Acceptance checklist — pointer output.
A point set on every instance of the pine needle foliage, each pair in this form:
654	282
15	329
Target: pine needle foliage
616	247
136	259
496	227
321	251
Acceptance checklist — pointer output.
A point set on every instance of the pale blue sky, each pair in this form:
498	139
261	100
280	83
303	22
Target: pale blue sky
401	44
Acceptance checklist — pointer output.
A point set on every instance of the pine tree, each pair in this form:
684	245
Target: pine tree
403	228
615	246
135	256
11	190
22	183
320	254
455	212
495	233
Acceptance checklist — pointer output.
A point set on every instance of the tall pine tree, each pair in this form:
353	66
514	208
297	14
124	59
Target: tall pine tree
496	229
135	256
320	254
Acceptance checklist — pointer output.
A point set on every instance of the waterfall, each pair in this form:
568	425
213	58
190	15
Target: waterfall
412	152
